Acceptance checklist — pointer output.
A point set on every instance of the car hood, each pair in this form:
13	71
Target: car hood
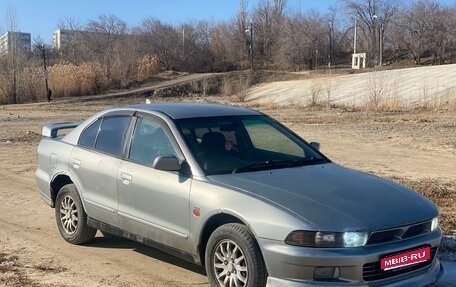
334	198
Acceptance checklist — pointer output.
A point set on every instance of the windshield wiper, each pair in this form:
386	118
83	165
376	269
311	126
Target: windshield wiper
305	160
275	163
261	165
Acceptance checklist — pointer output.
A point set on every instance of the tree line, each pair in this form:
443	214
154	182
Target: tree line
108	53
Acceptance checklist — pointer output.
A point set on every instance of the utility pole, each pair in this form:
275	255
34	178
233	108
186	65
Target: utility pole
251	46
381	42
330	45
356	30
379	20
183	41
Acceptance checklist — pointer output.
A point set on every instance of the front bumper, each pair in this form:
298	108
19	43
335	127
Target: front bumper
294	266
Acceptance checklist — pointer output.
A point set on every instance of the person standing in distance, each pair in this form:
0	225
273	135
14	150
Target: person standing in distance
49	95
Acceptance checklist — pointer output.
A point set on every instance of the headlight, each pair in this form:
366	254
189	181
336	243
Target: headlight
355	239
327	239
434	223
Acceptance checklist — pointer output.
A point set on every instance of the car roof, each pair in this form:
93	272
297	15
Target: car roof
195	110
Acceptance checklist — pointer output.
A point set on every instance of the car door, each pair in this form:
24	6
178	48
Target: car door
94	163
153	203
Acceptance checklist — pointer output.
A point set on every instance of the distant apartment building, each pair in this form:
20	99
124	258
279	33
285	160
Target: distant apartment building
62	38
15	40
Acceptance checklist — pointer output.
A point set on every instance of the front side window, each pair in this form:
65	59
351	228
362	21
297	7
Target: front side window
149	141
267	137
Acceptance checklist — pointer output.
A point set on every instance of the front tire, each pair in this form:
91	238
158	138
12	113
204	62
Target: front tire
233	258
71	217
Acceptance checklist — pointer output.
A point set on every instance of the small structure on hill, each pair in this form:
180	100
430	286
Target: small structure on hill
359	61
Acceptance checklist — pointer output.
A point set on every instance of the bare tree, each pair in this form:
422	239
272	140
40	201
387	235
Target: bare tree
11	63
373	17
225	56
41	52
451	23
424	27
162	40
268	19
196	53
437	31
110	43
73	46
69	23
335	28
301	38
230	41
243	44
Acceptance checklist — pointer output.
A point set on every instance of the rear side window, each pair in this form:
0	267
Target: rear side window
112	134
89	135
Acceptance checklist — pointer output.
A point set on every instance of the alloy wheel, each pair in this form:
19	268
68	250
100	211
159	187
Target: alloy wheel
69	215
230	266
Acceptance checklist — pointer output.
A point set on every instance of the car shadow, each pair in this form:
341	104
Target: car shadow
116	242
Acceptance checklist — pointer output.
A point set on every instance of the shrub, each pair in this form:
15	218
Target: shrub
147	66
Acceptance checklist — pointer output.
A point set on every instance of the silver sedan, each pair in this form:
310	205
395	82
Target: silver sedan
234	190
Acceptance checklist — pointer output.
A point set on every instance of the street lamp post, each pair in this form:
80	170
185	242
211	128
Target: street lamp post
46	72
251	44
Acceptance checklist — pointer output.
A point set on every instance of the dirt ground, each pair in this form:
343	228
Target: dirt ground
415	148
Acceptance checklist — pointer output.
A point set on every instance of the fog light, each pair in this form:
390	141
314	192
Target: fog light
326	273
434	223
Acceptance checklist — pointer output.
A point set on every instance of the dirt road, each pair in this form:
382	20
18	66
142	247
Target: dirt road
412	147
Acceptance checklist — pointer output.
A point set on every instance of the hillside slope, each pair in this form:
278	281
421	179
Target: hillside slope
405	87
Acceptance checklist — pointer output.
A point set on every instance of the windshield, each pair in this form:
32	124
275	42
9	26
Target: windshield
244	143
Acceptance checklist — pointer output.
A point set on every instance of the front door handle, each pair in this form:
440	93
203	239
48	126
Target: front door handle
125	178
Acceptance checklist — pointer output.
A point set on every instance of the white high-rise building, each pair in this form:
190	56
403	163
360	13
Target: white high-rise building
62	37
15	40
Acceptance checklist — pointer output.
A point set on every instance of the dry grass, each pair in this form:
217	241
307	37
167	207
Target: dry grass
72	80
147	66
15	274
316	90
11	273
7	263
237	86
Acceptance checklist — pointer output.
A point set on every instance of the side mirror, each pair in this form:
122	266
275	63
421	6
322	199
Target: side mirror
315	145
166	163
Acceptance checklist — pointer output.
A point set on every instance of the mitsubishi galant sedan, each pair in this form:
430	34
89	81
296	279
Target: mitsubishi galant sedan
237	192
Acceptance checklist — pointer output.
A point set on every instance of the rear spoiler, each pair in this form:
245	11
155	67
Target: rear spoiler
51	130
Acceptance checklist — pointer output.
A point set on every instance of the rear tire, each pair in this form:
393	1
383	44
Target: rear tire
233	258
71	217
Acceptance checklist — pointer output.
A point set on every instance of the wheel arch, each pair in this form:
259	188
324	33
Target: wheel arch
211	225
57	183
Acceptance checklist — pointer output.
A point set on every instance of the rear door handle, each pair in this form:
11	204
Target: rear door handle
76	162
125	177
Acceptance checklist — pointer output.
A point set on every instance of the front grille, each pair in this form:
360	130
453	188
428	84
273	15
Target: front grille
418	229
385	236
399	233
372	271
